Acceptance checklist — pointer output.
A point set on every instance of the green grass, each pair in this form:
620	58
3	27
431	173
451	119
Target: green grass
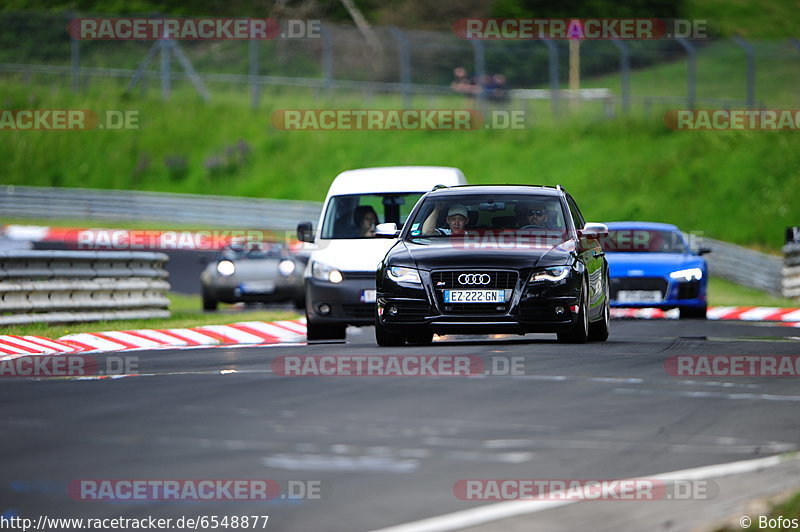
185	313
723	293
787	510
735	186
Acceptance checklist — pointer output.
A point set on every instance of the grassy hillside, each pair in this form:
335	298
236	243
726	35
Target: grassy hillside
738	186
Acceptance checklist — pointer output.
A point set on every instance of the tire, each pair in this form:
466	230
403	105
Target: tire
579	333
209	303
420	338
325	331
385	338
599	330
696	313
299	304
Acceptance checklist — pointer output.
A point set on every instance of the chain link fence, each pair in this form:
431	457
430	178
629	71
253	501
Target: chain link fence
414	66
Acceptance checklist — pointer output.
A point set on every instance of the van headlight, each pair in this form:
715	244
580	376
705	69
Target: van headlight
552	274
399	274
323	272
225	267
691	274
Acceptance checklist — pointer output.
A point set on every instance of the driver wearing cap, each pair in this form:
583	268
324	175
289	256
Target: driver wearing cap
456	221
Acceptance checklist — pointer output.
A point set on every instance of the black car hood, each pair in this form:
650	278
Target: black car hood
441	253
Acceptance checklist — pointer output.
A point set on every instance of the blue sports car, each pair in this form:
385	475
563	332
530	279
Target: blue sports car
652	265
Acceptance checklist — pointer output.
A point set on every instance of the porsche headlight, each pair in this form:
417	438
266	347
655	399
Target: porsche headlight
286	267
399	274
690	274
323	272
552	274
225	267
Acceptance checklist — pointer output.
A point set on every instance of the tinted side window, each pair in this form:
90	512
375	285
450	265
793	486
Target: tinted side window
577	217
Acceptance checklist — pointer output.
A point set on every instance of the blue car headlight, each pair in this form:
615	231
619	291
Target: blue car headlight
553	274
399	274
689	274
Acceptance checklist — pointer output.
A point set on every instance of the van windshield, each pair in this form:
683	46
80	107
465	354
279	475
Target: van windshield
356	215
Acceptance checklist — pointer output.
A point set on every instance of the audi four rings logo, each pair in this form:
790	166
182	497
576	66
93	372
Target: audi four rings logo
474	278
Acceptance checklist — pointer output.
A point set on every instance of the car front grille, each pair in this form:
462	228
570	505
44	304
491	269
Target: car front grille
503	279
638	283
359	310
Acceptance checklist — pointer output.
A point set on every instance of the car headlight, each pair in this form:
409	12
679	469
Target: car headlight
552	274
323	272
691	274
399	274
286	267
225	267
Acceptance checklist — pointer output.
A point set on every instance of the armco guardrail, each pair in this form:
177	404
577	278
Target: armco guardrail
744	266
68	286
791	270
123	205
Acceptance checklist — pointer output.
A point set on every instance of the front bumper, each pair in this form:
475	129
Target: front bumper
529	308
345	300
232	292
675	293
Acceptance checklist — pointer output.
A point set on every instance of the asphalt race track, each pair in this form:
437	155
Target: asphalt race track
389	450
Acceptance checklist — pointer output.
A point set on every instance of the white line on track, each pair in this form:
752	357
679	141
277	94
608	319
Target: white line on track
504	510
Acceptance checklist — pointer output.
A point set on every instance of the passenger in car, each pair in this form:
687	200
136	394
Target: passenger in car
457	217
365	219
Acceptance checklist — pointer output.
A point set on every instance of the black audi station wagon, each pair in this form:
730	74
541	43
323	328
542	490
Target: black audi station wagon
493	259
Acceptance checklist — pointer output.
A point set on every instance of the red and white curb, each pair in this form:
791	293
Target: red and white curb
788	316
252	333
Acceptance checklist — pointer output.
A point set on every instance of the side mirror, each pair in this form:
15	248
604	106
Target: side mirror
703	251
593	231
387	230
305	232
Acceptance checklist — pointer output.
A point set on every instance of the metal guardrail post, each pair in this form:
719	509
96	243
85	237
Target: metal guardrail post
166	75
625	72
404	58
552	57
75	58
691	72
255	87
751	70
790	274
327	57
479	62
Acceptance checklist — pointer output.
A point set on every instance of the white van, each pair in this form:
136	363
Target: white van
340	276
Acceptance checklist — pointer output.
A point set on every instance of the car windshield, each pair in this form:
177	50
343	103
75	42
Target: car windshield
474	214
356	215
643	241
251	250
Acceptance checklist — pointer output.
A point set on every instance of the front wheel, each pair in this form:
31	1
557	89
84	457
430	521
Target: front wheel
386	338
598	330
325	331
697	313
209	303
580	331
